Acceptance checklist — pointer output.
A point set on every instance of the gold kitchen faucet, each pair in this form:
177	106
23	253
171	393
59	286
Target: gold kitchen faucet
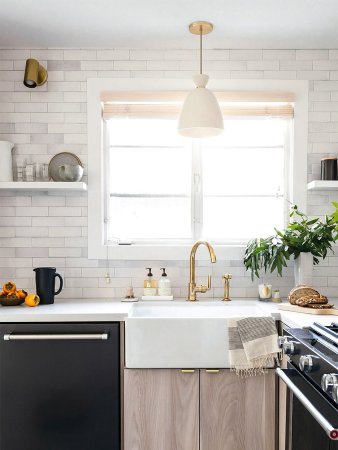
193	287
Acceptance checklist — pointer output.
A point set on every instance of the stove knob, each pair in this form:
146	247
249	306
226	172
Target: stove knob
307	362
289	347
281	340
329	382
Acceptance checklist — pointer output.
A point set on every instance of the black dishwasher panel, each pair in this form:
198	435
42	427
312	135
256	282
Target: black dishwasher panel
60	386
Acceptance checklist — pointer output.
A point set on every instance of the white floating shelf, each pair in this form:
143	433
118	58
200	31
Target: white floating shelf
323	185
47	186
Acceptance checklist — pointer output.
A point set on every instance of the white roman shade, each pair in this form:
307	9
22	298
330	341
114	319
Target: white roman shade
169	103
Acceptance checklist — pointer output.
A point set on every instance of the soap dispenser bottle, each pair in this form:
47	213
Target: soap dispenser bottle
150	285
164	284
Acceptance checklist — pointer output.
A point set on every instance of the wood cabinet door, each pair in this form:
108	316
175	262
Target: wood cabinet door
237	413
161	409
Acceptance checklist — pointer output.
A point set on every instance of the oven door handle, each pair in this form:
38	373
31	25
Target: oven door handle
55	337
330	430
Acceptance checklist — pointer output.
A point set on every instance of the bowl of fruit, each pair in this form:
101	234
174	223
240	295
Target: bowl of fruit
11	296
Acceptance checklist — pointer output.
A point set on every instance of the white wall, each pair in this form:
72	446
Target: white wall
51	230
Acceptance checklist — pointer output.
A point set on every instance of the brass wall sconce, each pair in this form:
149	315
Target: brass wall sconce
35	74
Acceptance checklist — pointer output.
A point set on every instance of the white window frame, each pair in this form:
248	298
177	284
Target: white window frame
297	171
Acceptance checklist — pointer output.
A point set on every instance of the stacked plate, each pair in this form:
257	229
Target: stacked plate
63	159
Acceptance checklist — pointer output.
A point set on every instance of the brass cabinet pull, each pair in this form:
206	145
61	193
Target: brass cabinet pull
212	370
187	370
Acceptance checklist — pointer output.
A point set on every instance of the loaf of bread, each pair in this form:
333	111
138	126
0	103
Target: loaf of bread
301	291
311	299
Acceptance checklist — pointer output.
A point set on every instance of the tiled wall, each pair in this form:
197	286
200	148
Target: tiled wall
51	230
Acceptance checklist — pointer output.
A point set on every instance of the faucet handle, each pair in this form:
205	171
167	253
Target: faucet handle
202	287
227	276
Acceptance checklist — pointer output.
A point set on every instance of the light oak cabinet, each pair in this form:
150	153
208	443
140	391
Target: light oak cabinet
161	409
165	409
237	413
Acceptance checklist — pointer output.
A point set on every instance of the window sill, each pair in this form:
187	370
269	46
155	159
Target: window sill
172	252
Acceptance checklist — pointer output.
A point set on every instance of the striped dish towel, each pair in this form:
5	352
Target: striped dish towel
253	345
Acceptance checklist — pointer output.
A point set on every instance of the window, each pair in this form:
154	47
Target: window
108	99
166	188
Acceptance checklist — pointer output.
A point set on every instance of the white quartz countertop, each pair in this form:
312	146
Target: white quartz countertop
113	310
66	310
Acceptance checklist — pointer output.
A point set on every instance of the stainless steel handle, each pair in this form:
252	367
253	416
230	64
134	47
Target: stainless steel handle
55	337
330	430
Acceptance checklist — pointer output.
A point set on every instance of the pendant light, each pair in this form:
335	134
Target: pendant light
201	115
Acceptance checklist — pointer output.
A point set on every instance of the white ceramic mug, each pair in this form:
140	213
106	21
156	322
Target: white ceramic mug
6	166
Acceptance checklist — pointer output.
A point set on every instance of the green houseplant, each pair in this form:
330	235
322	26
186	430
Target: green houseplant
314	236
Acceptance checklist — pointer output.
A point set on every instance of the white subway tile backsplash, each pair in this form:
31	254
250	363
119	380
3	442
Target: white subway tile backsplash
65	231
114	54
75	97
31	211
107	292
280	54
64	211
10	54
145	55
65	252
31	232
82	55
47	138
48	242
82	282
55	65
16	262
64	86
51	230
49	54
246	54
50	262
7	252
31	252
97	65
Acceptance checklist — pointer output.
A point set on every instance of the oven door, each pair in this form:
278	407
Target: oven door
312	421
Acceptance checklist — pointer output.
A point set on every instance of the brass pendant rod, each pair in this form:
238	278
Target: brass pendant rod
201	30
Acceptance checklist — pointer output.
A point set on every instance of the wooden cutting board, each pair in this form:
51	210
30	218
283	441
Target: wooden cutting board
300	309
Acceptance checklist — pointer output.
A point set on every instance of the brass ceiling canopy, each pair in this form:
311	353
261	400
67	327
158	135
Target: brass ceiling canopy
201	27
35	74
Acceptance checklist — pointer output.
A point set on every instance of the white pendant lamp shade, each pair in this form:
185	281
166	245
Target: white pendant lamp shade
201	115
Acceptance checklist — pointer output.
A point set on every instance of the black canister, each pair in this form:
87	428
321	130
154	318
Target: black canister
45	284
328	168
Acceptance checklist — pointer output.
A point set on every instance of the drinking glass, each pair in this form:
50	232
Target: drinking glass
38	167
45	172
19	164
28	172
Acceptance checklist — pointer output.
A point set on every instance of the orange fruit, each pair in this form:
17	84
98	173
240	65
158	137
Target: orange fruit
21	293
13	295
9	287
3	294
32	300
